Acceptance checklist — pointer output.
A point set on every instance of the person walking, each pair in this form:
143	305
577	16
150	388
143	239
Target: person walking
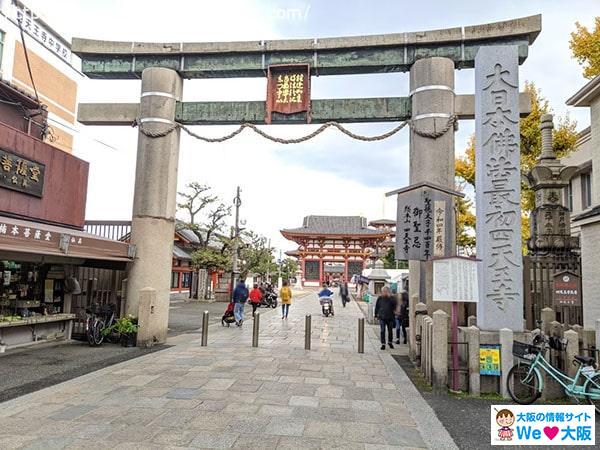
240	295
344	293
285	294
402	317
384	311
255	298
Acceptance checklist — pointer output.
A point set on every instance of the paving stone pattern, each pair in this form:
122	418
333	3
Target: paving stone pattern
230	395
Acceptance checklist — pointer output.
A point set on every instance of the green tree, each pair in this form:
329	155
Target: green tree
288	268
211	259
256	257
389	260
585	46
564	140
205	216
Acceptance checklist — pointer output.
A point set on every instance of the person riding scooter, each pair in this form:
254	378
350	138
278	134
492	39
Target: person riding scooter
326	300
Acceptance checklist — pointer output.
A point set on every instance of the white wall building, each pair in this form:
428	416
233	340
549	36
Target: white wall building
51	63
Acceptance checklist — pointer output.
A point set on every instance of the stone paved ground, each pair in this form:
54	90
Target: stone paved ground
232	395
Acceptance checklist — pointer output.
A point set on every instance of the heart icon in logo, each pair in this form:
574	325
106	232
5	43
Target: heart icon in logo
551	432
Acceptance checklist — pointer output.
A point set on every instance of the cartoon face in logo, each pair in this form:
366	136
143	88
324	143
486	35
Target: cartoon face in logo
505	419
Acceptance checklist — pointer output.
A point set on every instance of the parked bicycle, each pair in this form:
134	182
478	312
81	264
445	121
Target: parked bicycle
525	383
98	318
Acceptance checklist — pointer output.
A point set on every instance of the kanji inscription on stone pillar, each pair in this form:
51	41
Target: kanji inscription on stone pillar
498	188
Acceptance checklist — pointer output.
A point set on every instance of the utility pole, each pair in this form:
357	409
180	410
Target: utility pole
279	280
237	201
269	270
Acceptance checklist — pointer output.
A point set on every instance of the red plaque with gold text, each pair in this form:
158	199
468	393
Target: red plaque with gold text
288	90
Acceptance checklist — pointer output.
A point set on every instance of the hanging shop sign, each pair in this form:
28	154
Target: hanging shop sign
566	289
21	174
489	360
288	90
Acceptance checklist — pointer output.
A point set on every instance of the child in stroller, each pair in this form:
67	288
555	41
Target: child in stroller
228	318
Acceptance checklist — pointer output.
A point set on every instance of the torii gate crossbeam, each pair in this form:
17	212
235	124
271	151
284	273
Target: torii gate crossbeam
431	57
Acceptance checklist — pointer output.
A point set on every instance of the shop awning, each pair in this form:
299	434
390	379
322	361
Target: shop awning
33	238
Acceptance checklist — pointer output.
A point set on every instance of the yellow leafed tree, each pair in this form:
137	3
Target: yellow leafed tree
585	45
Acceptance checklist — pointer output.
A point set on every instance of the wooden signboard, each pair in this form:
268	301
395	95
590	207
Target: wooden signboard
21	174
425	223
288	90
566	289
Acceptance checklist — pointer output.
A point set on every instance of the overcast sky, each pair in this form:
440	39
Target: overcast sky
331	174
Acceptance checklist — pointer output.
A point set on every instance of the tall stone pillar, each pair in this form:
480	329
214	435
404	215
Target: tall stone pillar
498	188
154	201
432	160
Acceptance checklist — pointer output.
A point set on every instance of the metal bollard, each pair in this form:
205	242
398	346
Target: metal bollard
361	335
204	341
307	331
255	327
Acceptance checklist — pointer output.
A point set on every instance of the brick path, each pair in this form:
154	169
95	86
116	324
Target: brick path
232	395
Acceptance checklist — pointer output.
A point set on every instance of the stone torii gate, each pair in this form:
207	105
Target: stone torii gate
430	56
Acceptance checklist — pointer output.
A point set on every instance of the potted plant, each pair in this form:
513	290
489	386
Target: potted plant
127	328
2	347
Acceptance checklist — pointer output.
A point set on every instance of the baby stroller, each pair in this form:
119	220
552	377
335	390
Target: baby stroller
228	318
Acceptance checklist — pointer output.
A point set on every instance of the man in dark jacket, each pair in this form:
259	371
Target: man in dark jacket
402	317
240	295
344	293
384	311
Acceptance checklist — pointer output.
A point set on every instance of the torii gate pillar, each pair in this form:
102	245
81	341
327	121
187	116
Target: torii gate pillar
155	195
431	160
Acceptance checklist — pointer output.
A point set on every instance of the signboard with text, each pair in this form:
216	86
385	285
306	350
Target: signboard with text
455	280
489	360
566	289
424	224
21	174
37	29
288	90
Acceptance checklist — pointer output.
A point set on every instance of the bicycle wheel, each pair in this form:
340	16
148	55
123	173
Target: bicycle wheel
521	389
89	331
592	391
98	336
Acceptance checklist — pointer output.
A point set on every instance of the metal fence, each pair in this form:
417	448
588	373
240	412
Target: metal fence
100	286
538	276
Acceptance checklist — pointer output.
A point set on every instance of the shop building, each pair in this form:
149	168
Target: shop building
43	246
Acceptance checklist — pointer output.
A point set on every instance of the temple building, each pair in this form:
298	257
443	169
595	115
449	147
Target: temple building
389	227
330	247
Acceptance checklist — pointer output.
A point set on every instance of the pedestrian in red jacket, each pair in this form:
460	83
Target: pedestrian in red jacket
255	298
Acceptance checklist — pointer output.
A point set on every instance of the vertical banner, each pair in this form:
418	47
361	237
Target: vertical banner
288	90
439	228
498	192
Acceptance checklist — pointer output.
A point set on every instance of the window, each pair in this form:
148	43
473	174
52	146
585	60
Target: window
586	190
186	281
174	280
568	200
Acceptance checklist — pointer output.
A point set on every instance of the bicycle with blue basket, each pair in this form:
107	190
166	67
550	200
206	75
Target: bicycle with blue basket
525	382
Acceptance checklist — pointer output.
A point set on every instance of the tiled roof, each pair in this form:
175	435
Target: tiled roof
382	222
180	253
334	225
